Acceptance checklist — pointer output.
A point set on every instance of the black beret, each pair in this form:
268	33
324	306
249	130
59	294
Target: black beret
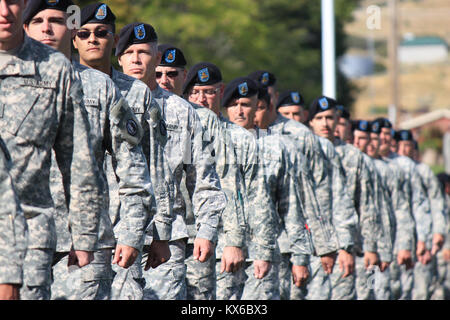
290	98
443	178
202	74
320	104
242	87
171	56
384	123
343	112
266	78
361	125
35	6
375	127
97	13
135	33
403	135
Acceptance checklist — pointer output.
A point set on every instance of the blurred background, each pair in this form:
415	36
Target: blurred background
391	55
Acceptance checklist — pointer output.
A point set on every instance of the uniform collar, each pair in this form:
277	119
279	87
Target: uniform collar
22	63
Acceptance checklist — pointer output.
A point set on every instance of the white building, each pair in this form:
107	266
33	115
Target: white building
423	50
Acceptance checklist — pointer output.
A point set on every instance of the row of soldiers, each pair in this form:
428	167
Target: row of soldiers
159	182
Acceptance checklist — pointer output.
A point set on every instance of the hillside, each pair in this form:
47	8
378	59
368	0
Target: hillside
422	87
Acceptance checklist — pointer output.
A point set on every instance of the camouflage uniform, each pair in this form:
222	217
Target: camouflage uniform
13	227
128	284
185	153
423	274
361	188
260	234
51	116
281	176
114	128
420	208
201	277
344	219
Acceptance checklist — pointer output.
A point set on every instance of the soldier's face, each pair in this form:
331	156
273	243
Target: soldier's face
94	50
207	96
11	21
406	148
242	111
343	129
324	124
49	27
394	145
292	112
140	61
262	114
385	139
361	140
171	78
374	145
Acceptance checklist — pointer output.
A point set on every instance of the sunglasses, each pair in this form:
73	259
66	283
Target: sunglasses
84	34
170	74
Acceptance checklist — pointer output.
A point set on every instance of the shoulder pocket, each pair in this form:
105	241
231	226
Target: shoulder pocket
126	122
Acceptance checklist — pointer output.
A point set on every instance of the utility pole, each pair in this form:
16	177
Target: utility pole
328	49
393	63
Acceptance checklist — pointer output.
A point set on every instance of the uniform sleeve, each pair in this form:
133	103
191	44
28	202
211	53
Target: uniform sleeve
13	228
208	200
135	189
291	211
421	208
369	214
260	210
345	218
404	221
385	241
437	202
74	155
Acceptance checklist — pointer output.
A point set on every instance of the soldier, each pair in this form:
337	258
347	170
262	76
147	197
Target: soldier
42	109
240	102
94	42
201	277
364	287
423	271
324	234
138	55
114	129
204	87
359	185
443	257
292	267
13	232
418	207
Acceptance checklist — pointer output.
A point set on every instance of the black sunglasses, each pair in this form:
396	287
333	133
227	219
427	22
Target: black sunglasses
84	34
170	74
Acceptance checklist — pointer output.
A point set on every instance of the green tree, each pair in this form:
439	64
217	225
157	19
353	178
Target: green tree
242	36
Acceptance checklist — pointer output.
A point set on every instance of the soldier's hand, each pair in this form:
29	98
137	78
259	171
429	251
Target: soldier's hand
384	265
370	259
80	258
203	249
446	254
232	259
328	262
346	263
425	258
9	292
262	268
421	248
158	254
300	275
125	256
404	257
438	242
